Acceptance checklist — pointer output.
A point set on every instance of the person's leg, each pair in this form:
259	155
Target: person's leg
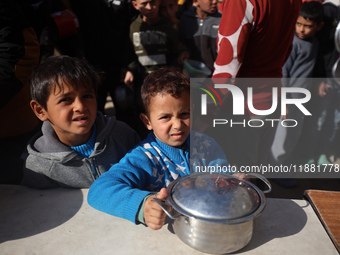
329	125
286	138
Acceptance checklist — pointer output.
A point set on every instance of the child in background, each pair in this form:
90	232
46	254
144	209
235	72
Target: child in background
155	38
300	64
76	143
127	189
169	8
198	31
322	126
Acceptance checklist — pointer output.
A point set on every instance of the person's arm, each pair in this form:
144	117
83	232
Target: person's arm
234	31
214	153
287	70
205	151
289	64
121	190
217	157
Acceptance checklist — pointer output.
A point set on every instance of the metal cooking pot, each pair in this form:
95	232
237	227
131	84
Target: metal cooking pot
213	213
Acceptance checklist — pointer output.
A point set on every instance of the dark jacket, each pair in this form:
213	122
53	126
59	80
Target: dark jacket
199	36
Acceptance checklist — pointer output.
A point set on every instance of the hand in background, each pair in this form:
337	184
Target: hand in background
128	80
323	89
127	77
183	56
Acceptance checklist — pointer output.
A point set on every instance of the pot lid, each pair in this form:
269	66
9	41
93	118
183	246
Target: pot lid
215	197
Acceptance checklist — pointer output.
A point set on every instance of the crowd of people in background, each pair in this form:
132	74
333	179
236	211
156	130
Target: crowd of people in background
126	40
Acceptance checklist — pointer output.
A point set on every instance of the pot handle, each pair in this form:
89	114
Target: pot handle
262	178
163	203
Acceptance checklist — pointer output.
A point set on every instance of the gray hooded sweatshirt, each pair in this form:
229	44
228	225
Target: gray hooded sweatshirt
51	163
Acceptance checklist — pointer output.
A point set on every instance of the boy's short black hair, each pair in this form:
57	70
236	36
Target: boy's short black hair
166	80
54	71
313	11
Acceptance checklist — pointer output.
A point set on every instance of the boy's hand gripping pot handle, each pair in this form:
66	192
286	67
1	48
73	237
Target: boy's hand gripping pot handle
167	208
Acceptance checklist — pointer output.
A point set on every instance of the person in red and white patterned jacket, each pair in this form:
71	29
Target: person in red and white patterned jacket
254	41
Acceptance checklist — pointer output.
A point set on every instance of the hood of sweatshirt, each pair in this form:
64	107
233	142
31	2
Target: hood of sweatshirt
46	144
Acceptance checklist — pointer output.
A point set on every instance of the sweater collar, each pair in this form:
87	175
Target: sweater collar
173	152
86	149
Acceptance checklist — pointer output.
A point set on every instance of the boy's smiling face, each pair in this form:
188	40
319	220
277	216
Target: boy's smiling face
169	118
71	113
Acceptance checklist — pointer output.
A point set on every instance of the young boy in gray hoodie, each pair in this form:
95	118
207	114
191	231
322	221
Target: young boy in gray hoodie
76	143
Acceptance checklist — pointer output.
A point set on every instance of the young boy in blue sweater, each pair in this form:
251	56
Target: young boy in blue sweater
127	189
76	143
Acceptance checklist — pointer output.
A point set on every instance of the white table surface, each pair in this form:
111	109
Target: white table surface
59	221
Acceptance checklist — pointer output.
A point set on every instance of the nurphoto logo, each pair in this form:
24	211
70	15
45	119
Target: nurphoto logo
239	102
212	96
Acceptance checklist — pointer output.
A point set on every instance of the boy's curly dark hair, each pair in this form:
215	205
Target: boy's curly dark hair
166	80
